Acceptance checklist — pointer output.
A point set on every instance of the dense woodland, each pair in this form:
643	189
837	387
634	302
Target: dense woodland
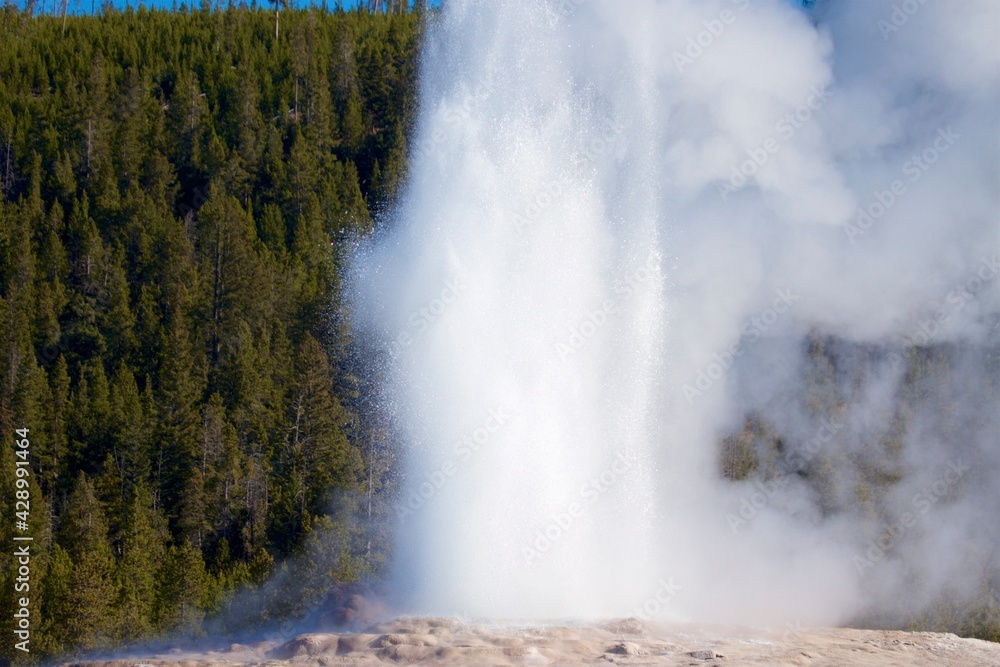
177	190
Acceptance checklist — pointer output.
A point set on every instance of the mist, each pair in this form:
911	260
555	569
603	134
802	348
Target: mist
690	311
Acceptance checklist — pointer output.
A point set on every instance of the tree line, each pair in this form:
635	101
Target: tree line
177	193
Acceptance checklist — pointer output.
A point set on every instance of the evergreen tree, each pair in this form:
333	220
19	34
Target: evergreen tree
58	606
130	428
84	532
143	550
176	435
236	284
183	584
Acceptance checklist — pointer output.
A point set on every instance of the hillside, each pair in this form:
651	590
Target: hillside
177	191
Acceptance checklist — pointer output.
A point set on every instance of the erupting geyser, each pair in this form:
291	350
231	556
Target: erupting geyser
624	223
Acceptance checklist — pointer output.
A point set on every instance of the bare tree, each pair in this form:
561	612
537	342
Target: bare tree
277	14
389	6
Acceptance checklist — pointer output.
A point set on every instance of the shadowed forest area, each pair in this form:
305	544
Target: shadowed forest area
861	473
178	190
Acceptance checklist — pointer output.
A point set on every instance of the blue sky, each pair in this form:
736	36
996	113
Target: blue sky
84	6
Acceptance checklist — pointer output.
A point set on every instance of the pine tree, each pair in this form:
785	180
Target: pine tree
182	587
385	185
222	467
83	530
143	550
352	123
131	127
130	428
65	179
235	279
114	317
51	458
58	604
317	455
176	435
90	412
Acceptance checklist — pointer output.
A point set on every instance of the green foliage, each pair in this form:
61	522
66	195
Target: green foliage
175	190
182	587
742	454
858	480
143	548
84	529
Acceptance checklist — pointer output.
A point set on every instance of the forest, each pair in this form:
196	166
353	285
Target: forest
178	190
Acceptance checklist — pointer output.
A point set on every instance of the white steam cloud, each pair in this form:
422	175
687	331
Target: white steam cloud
628	226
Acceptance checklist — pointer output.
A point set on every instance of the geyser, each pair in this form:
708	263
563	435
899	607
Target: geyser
640	238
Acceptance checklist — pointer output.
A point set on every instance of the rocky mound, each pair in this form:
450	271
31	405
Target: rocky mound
443	641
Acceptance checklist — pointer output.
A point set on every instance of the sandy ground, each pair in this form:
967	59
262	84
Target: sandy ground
437	641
